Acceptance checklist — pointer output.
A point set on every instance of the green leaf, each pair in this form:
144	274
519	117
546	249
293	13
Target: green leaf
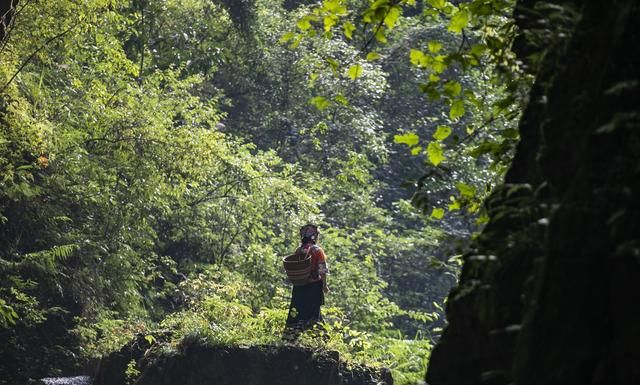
348	29
371	56
380	36
410	139
439	64
487	147
466	190
379	3
434	46
452	88
342	100
437	213
392	16
320	102
286	37
459	21
296	42
442	132
457	109
435	153
416	150
454	205
483	219
511	133
334	6
312	80
334	65
431	90
304	24
416	56
478	49
437	4
329	22
355	71
150	339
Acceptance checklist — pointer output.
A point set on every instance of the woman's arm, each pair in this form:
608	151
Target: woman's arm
323	271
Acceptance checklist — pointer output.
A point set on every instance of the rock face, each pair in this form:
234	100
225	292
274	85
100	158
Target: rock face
549	295
202	364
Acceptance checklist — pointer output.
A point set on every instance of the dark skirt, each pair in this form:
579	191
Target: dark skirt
304	310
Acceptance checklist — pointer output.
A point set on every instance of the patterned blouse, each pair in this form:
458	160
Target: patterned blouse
319	264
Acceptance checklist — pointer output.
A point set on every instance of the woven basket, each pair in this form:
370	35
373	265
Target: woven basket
298	268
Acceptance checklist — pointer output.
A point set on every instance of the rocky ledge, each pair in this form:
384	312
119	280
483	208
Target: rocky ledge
198	363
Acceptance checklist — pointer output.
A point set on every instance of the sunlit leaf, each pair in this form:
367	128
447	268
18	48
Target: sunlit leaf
438	64
371	56
392	16
435	153
438	4
457	110
416	56
434	46
334	6
380	35
304	24
355	71
466	190
459	21
329	22
437	213
348	29
442	133
150	339
410	139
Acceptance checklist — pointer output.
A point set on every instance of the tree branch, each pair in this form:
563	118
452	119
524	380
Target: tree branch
34	54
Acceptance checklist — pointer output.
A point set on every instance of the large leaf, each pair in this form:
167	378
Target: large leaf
437	213
355	71
329	22
380	36
348	29
416	56
435	153
442	133
410	139
438	4
457	109
304	24
392	16
452	88
459	21
434	46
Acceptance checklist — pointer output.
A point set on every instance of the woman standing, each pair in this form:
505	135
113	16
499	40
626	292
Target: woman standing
304	310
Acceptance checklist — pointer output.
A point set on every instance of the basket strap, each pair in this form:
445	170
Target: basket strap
308	251
306	255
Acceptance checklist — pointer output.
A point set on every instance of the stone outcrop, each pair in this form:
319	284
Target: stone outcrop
197	363
549	295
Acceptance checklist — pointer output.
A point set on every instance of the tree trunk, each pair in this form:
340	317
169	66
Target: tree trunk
550	293
7	11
